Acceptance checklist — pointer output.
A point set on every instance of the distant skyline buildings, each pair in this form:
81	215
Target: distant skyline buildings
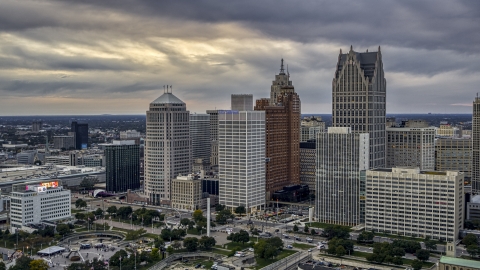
476	145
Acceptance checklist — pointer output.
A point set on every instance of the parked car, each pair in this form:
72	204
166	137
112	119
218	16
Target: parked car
289	246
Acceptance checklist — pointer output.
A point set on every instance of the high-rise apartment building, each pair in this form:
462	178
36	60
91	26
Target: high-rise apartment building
81	135
37	126
310	126
213	137
167	146
241	156
447	130
341	157
242	102
410	202
122	166
358	99
308	152
454	154
411	145
282	128
200	136
65	142
476	145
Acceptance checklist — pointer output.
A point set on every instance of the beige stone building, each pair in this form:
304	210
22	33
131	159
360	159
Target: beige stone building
449	263
310	126
454	154
447	130
187	193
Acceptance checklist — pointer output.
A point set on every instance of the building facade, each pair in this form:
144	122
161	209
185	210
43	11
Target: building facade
410	146
341	157
213	137
81	135
241	156
187	193
33	202
282	128
310	126
449	131
410	202
200	136
167	146
308	162
37	126
476	145
122	166
129	134
65	142
454	154
242	102
359	99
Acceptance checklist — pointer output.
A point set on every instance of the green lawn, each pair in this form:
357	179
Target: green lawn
302	246
220	251
193	231
264	262
233	245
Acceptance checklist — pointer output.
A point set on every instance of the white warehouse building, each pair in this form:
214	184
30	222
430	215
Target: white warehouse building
34	202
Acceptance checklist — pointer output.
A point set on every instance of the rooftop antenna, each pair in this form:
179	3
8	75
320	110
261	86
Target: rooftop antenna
164	89
288	75
171	89
282	71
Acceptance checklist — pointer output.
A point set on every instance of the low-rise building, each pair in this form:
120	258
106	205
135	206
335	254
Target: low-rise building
410	202
473	208
187	192
35	202
450	263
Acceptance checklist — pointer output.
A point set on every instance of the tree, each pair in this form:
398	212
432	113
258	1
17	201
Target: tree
198	215
3	266
125	212
332	231
269	248
240	210
207	242
417	264
295	228
305	229
219	207
431	245
133	235
185	222
340	251
470	239
408	246
80	216
22	263
473	250
112	210
7	232
190	243
155	255
422	255
80	203
115	259
312	232
63	229
38	265
98	212
397	260
170	249
88	183
223	216
365	237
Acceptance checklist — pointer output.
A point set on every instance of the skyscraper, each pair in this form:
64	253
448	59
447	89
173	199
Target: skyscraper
81	135
341	158
358	99
200	135
213	137
476	145
122	166
241	156
242	102
167	146
282	128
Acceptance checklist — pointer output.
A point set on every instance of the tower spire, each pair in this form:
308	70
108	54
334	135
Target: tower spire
282	71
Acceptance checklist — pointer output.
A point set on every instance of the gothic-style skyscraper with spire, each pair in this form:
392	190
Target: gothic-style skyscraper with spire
282	131
358	99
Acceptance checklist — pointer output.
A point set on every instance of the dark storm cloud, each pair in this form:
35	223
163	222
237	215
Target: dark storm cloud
210	49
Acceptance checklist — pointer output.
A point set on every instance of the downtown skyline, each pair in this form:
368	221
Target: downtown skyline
114	58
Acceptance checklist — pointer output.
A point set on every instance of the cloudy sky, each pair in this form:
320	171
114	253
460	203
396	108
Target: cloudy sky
113	57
